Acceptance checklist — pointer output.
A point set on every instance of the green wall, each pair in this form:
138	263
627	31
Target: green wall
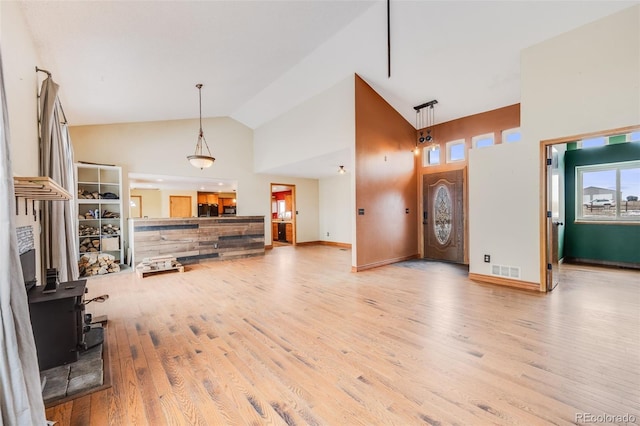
599	242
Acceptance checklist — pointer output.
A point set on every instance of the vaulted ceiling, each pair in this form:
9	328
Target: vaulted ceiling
124	61
128	61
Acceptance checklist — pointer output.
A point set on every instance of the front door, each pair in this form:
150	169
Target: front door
179	206
443	216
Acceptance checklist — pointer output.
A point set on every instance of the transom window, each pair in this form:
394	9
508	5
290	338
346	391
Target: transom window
608	192
431	156
482	141
455	151
593	142
511	135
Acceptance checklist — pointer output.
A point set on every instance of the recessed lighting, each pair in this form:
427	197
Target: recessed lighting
202	188
220	183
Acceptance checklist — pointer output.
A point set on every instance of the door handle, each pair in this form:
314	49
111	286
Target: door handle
558	223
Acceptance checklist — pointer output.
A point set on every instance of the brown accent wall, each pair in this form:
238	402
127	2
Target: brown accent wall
494	121
386	182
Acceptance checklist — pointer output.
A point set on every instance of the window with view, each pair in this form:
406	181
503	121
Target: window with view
593	142
455	151
511	135
431	156
608	192
482	140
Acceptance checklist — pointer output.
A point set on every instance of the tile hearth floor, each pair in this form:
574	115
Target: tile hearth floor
66	380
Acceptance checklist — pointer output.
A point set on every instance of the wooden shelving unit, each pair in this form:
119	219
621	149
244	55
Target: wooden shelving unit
38	188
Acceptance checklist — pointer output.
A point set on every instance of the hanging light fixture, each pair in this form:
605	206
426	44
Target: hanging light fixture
342	170
429	114
199	159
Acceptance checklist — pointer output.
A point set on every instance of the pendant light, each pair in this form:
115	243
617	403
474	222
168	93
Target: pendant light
199	159
430	119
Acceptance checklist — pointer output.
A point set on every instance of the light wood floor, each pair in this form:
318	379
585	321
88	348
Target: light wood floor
294	337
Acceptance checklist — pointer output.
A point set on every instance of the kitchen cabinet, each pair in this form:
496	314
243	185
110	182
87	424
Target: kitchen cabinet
289	232
288	203
207	198
274	231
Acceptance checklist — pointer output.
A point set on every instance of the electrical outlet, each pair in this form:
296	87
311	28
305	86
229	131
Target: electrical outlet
487	258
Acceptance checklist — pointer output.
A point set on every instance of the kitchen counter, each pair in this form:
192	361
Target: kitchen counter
192	240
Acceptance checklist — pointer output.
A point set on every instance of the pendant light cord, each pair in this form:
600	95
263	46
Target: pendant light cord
199	86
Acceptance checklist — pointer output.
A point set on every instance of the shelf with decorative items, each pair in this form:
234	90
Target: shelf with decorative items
100	221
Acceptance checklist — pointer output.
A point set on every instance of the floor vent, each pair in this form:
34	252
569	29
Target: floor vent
505	271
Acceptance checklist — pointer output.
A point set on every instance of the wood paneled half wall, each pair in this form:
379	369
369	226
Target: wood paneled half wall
198	239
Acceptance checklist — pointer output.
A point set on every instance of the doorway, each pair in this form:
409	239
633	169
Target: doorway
443	216
135	205
179	206
283	214
552	207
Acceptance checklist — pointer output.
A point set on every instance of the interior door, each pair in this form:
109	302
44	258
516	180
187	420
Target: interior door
552	222
179	206
443	216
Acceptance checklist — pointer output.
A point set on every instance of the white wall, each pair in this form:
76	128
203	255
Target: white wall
581	81
321	125
151	202
161	148
327	124
498	224
21	84
335	209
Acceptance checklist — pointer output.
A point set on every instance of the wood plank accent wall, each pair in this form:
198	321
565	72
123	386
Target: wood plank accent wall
198	239
386	182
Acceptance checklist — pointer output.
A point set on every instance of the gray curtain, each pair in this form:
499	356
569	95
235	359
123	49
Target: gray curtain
20	393
59	230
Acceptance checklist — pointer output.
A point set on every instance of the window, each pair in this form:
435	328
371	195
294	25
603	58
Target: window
455	151
608	192
634	137
482	140
593	142
511	135
431	156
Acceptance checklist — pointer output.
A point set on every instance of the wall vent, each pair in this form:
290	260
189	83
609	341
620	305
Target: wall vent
505	271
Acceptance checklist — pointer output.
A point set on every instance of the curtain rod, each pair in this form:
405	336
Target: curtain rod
64	116
43	70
